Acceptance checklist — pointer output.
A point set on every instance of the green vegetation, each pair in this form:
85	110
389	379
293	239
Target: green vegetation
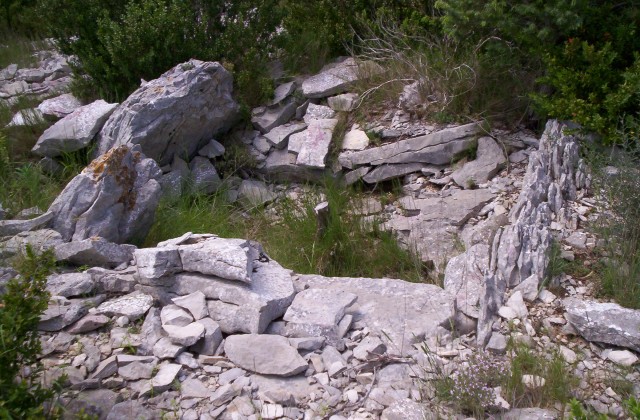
22	394
348	247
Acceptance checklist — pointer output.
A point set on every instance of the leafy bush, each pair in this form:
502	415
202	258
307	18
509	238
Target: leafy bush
22	395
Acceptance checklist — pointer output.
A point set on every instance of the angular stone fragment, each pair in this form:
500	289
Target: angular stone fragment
175	316
355	140
386	172
406	409
211	340
253	193
279	136
371	346
264	354
437	148
212	150
176	113
165	349
315	147
39	240
457	207
131	410
59	107
333	78
194	388
155	263
133	306
344	103
283	91
204	175
75	131
318	112
150	332
604	322
70	284
402	311
195	303
165	377
95	251
489	160
88	323
230	259
267	118
14	227
317	312
464	277
186	335
115	197
61	313
136	371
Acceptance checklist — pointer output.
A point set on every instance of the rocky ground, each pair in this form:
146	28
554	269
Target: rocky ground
206	327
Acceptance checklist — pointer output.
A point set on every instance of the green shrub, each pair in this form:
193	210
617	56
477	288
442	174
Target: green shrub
22	395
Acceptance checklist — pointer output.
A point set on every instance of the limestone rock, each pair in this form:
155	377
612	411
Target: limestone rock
464	277
165	377
318	112
14	227
70	284
88	323
315	146
133	306
212	150
604	322
59	107
355	140
489	160
264	354
156	263
195	303
457	208
186	335
175	316
253	193
40	240
230	259
61	313
75	131
95	251
174	114
205	177
343	103
386	172
333	78
132	409
279	136
266	119
405	409
211	340
115	197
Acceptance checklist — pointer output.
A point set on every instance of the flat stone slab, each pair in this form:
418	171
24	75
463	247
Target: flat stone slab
464	278
133	306
333	78
75	131
226	258
59	107
267	118
490	159
95	251
14	227
405	312
279	136
70	284
355	140
315	144
604	322
317	312
437	148
264	354
389	171
457	208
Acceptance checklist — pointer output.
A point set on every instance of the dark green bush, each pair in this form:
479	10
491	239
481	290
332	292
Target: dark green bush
22	395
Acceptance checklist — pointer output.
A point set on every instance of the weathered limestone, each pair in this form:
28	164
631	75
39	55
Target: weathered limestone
489	160
264	354
70	284
14	227
94	251
175	114
333	78
75	131
279	136
464	277
315	145
115	197
59	107
133	306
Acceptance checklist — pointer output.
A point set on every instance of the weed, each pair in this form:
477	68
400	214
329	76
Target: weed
577	412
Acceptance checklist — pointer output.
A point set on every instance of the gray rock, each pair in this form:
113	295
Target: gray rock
175	316
577	240
315	147
354	176
136	370
115	197
464	277
252	194
530	414
402	311
344	103
186	335
318	112
31	75
333	361
230	259
14	227
194	388
266	119
212	150
437	148
150	332
40	240
262	145
106	368
489	160
406	409
516	303
204	175
13	89
386	172
29	213
8	72
456	208
497	343
132	409
156	263
307	318
195	303
279	136
26	117
97	403
59	107
529	288
622	357
333	78
70	284
211	340
95	251
604	322
165	377
355	140
174	114
61	313
133	306
370	346
75	131
282	92
264	354
165	349
110	281
88	323
224	394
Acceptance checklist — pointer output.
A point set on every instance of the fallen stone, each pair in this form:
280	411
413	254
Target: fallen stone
371	346
195	303
497	343
318	112
490	159
211	339
266	119
315	147
622	357
264	354
253	193
437	148
136	370
14	227
457	208
279	136
156	263
194	388
516	303
59	107
175	316
333	78
132	409
187	335
528	288
96	403
29	116
70	284
355	140
230	259
151	332
464	278
165	377
62	312
405	409
205	178
212	150
133	306
106	368
165	349
224	394
175	113
577	240
343	103
95	251
115	197
88	323
282	92
75	131
386	172
568	355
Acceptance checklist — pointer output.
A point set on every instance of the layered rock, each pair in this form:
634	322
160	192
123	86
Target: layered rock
177	113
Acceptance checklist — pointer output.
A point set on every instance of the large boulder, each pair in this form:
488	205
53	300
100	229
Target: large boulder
75	131
115	197
177	113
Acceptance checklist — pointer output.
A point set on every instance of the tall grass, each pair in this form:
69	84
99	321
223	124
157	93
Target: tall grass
348	246
18	49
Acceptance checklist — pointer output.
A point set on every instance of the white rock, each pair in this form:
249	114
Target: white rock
355	140
195	303
533	381
622	357
186	335
173	315
516	303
